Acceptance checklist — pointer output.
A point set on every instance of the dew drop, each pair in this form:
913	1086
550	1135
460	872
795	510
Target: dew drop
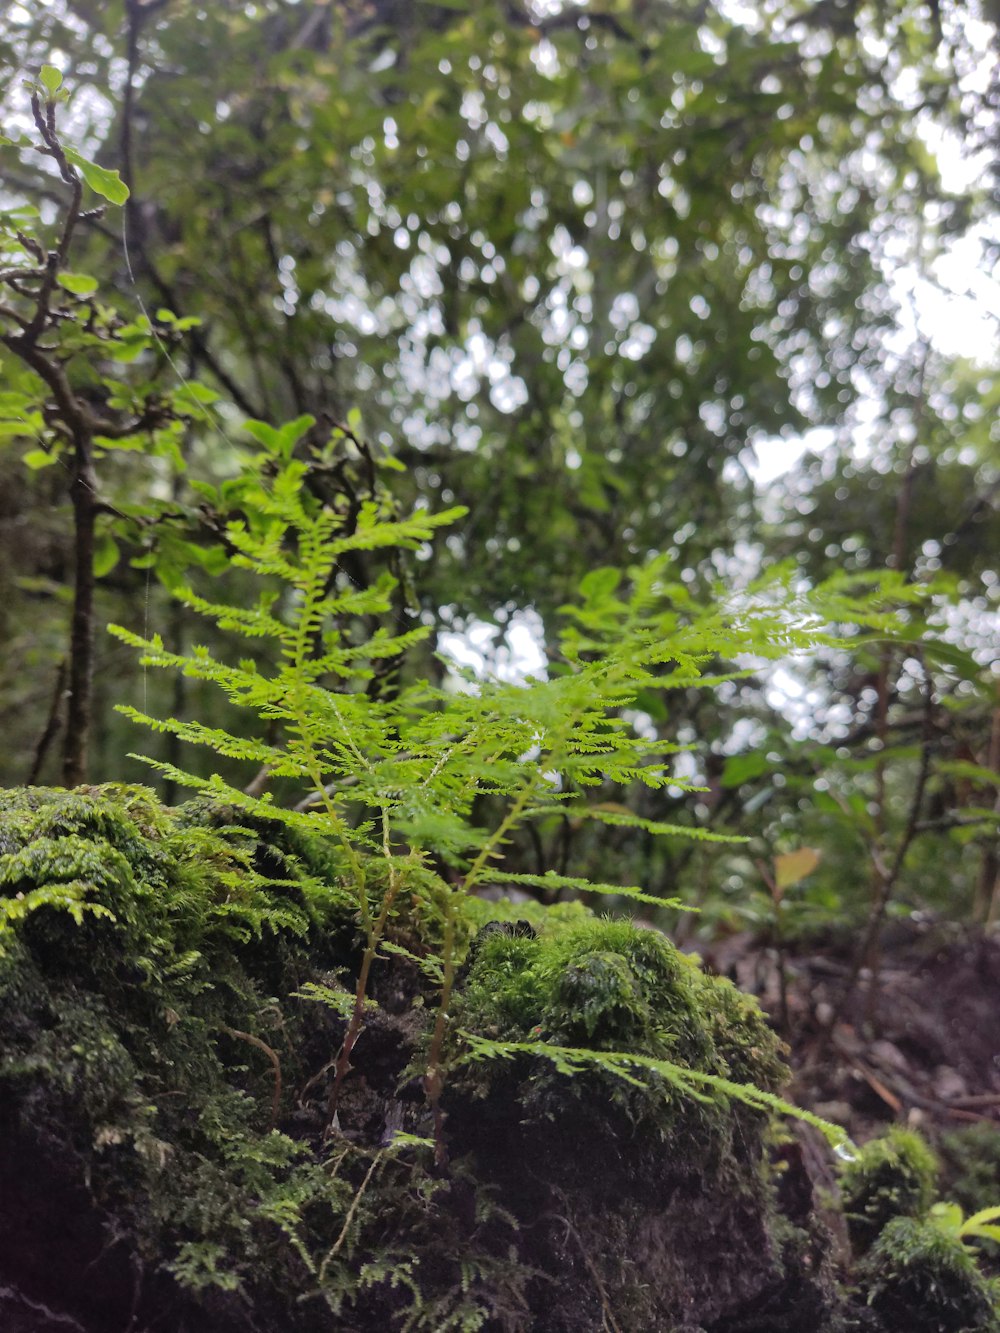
846	1151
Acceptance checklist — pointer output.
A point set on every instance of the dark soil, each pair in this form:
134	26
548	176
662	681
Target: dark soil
918	1044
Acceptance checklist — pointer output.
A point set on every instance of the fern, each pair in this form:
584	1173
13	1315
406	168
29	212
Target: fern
393	777
627	1066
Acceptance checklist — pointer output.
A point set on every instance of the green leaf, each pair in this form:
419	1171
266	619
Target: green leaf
263	432
108	184
948	654
80	284
24	212
51	79
599	584
106	556
15	430
11	402
195	394
960	768
290	434
975	1223
741	768
36	459
213	560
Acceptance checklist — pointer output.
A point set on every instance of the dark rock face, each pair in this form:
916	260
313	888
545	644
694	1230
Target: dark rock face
20	1315
53	1240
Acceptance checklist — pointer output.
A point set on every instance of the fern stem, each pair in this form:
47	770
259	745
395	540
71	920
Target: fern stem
356	1022
434	1077
509	821
355	1205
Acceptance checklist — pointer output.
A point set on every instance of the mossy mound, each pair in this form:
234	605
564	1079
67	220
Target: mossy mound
971	1158
924	1281
629	1186
169	1155
161	1082
893	1176
914	1274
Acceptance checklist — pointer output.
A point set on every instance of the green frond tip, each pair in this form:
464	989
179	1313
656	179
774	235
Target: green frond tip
171	772
623	819
430	966
551	880
217	740
694	1083
342	1002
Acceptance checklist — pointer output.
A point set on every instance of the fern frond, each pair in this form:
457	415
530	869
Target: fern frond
221	742
694	1083
551	880
623	819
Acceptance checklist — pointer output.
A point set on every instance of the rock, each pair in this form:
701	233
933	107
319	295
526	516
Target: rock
173	992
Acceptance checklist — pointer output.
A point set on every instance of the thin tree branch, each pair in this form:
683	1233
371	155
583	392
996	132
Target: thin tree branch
52	725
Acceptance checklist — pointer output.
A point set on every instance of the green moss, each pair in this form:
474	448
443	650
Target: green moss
157	1054
613	1152
919	1279
893	1176
610	986
150	965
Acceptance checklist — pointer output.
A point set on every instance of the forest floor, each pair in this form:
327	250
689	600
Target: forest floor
918	1043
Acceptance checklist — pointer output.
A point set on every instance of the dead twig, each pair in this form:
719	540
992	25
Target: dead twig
272	1055
886	878
608	1321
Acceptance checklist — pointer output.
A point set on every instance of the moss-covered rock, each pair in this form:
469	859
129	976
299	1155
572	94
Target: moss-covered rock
922	1280
892	1176
627	1186
971	1162
157	1067
170	1153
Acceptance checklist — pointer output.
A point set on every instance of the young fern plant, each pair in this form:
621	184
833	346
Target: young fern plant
394	776
330	735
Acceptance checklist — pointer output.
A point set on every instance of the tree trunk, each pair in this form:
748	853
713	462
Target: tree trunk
83	493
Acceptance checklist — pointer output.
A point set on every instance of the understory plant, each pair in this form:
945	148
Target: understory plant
421	786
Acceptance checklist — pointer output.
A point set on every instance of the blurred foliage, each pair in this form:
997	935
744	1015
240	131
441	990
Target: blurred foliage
574	263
